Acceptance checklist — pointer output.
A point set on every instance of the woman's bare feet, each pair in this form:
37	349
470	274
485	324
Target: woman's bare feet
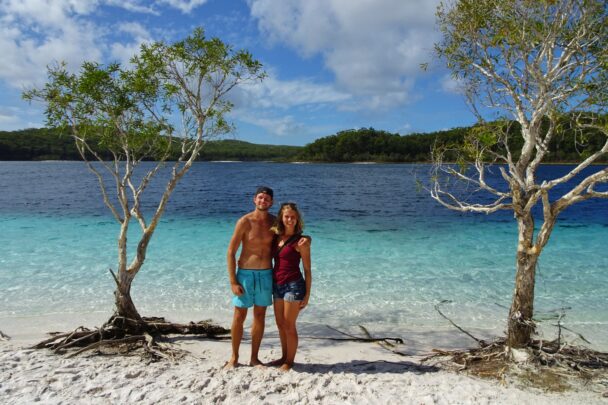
230	364
277	362
286	367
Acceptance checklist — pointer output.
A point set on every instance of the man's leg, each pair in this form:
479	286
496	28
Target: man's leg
257	332
236	333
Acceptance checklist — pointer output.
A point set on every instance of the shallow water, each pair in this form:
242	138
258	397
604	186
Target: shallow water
383	252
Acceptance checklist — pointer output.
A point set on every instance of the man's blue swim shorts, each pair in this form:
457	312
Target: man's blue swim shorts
258	288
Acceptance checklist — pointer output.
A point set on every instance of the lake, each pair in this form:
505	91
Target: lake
383	252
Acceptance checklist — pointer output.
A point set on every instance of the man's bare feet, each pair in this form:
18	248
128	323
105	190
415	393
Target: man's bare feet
256	363
286	367
277	362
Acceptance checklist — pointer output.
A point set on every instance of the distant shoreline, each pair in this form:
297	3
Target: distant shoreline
306	162
361	146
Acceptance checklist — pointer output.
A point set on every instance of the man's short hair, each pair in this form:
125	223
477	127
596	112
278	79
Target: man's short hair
265	190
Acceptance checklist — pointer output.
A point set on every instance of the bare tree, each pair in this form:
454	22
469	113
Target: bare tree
541	66
165	105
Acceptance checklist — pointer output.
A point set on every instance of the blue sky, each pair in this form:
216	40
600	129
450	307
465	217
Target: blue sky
332	64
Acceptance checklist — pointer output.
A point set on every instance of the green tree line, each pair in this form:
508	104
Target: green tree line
371	145
48	144
354	145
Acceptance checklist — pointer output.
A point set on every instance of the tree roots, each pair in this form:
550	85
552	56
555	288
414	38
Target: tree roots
550	365
124	335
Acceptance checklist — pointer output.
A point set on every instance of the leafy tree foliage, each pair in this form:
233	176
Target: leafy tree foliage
171	98
541	67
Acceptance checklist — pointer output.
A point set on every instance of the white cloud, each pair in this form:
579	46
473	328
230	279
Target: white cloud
123	52
450	84
14	118
8	115
281	126
274	93
37	33
374	48
132	5
405	128
185	6
259	103
47	13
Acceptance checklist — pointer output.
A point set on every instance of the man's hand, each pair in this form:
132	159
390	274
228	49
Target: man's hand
237	289
304	240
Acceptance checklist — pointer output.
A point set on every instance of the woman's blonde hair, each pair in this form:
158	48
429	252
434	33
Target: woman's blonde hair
279	228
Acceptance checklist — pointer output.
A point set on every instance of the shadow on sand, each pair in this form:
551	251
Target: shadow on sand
366	367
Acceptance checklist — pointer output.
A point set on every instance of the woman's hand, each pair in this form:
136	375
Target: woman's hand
304	302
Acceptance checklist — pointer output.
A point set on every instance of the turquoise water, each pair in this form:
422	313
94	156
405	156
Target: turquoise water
381	259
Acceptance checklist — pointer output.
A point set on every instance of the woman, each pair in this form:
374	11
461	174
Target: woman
291	291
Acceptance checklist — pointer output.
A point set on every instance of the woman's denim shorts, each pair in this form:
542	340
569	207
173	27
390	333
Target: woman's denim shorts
290	292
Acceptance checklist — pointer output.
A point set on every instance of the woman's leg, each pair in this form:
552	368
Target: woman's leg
291	311
280	319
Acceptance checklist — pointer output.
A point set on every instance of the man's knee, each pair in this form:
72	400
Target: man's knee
259	313
240	314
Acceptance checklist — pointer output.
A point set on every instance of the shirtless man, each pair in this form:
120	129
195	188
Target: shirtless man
252	284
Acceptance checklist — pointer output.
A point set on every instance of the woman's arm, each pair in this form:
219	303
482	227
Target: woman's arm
305	253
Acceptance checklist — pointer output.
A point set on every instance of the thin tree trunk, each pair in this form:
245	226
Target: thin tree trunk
520	325
124	304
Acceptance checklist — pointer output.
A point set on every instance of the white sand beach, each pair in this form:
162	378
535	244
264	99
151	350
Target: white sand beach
327	372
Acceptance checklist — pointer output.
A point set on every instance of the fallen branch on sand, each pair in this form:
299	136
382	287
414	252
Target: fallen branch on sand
125	335
481	342
385	342
4	337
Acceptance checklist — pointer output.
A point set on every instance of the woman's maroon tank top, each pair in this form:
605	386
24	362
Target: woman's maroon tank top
287	264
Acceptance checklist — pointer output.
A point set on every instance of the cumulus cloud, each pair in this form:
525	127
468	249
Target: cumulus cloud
46	13
452	85
123	52
8	115
185	6
36	33
284	94
133	5
279	126
272	103
374	48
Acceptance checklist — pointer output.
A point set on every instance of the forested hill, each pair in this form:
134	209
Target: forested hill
46	144
360	145
370	145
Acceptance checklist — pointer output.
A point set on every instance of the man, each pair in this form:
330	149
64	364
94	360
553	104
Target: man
252	284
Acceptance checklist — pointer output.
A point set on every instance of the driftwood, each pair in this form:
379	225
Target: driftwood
4	336
481	342
387	343
126	335
353	338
